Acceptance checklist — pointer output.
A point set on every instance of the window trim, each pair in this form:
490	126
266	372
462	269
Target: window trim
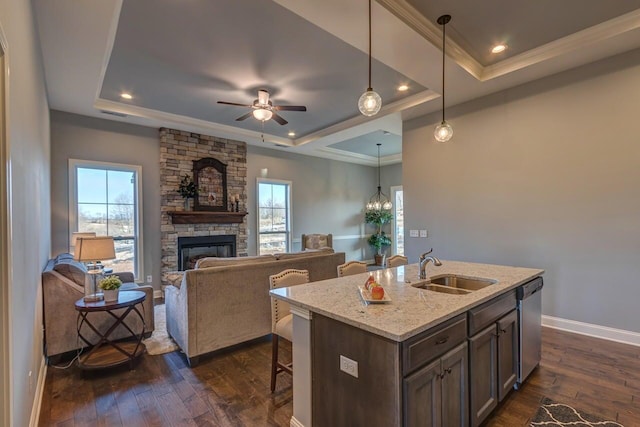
392	192
74	164
289	210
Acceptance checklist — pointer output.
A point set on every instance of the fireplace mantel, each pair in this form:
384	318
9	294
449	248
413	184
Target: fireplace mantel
206	217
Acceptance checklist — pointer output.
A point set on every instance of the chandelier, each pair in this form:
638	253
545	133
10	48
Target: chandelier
379	201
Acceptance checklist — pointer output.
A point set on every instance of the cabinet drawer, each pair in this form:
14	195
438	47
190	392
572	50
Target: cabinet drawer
433	343
489	312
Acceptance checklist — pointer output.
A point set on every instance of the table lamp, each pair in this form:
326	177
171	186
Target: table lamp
76	235
93	250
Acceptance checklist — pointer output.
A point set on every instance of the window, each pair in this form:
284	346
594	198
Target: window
274	216
106	198
398	220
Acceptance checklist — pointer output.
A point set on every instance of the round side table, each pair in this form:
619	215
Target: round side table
105	352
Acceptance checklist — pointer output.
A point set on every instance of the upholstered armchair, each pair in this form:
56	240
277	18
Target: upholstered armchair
316	241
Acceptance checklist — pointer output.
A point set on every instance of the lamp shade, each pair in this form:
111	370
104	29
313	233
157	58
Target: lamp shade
76	235
90	249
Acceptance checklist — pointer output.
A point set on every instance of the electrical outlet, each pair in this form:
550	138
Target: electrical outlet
149	278
413	233
349	366
423	233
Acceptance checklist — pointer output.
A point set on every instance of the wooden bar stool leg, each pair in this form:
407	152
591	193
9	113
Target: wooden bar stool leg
274	360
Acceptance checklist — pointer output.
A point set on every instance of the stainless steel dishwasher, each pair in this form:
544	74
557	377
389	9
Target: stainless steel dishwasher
529	319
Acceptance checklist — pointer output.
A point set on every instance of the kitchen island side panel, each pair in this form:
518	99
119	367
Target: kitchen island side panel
339	399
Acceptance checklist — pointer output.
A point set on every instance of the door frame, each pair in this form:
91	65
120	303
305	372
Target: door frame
6	379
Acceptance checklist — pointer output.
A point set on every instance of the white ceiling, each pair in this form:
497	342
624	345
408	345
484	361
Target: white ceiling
179	58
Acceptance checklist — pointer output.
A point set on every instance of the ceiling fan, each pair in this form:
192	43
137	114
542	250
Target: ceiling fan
263	109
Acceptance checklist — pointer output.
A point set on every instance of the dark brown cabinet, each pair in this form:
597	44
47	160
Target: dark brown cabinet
507	353
436	395
483	367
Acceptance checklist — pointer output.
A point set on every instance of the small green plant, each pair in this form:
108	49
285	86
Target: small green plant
187	188
110	283
378	218
378	241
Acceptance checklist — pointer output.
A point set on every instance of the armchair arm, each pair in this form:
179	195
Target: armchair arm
125	276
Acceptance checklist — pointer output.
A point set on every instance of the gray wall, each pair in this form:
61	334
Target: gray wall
80	137
543	175
28	144
328	196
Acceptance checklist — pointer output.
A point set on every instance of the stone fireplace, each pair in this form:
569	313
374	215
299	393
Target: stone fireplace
178	152
191	249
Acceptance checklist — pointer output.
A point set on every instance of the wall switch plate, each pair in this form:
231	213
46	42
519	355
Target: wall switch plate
349	366
413	233
149	278
423	233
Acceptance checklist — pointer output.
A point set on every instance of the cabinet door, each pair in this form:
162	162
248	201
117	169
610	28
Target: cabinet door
483	385
422	397
455	396
507	353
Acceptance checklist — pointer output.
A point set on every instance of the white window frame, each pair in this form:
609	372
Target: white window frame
74	164
392	192
289	210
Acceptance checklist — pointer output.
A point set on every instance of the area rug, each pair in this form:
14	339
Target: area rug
557	414
160	342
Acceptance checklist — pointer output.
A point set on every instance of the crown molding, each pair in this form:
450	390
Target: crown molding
581	39
433	34
203	126
394	107
362	159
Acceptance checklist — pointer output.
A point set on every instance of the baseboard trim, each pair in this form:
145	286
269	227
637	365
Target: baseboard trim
37	402
295	423
591	330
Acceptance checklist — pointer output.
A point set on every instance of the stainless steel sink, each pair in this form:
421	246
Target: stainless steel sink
454	285
460	282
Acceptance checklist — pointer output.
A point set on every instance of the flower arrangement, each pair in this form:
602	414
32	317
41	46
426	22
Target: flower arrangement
187	188
110	283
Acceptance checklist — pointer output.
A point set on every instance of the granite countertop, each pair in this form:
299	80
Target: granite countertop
411	310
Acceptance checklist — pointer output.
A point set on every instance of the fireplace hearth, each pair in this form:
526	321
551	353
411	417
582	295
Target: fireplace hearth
191	249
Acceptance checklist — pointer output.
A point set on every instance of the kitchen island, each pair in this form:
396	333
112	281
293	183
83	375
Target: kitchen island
375	364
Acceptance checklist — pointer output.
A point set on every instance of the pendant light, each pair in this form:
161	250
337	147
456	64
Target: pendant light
444	131
370	102
379	201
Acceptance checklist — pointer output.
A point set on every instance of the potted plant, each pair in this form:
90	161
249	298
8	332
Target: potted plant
111	287
187	189
379	240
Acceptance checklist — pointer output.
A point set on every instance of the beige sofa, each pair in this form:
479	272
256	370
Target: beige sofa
225	301
63	282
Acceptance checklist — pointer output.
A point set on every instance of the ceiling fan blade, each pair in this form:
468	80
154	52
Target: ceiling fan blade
233	103
279	119
245	117
290	108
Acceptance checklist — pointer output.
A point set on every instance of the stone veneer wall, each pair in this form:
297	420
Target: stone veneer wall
178	150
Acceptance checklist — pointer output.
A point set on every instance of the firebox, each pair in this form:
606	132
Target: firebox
191	249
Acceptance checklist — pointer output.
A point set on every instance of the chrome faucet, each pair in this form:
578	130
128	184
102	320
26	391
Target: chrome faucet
424	260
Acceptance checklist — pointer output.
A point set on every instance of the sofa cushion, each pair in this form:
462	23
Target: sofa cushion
220	261
304	254
70	268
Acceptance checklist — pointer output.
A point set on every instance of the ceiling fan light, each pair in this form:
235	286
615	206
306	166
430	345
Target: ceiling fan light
370	103
262	114
443	132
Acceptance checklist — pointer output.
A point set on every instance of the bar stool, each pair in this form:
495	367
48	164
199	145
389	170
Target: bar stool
282	319
397	261
351	267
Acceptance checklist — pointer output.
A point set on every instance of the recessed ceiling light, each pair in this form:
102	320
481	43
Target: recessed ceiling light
499	48
291	133
403	88
125	95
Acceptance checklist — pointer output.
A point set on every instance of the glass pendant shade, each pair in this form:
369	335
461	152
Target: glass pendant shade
443	132
370	103
262	114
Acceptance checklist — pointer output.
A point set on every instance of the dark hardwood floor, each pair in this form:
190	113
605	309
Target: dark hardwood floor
232	388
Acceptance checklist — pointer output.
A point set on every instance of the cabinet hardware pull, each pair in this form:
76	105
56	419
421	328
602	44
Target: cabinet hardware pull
448	370
442	340
504	331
